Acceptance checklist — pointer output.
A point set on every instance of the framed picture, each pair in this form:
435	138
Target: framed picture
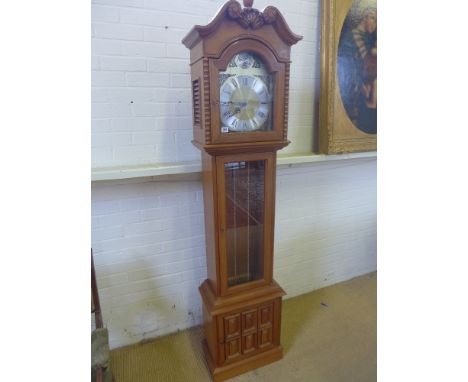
348	83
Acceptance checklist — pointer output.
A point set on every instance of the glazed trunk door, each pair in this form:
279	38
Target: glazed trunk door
246	211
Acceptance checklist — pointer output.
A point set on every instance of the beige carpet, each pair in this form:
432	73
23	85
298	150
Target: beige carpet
329	335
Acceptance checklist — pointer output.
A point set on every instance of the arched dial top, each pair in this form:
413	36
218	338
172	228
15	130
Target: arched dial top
246	95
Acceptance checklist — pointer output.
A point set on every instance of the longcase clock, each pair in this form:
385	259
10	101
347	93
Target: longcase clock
240	82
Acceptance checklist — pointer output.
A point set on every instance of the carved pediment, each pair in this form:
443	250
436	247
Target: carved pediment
248	18
251	17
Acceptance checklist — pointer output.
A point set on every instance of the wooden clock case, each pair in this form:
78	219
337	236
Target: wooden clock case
241	322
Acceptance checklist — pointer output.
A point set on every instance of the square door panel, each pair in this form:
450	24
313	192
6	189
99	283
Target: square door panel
232	326
249	321
233	348
265	337
249	343
265	315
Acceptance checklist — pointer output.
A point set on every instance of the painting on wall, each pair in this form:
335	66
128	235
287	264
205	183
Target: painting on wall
348	87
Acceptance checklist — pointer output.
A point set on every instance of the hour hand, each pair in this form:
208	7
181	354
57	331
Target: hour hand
237	105
232	113
240	104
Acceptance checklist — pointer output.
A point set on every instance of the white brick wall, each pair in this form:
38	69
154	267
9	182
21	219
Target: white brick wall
140	77
325	228
148	241
148	237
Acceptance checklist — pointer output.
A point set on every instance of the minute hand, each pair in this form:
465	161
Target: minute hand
239	103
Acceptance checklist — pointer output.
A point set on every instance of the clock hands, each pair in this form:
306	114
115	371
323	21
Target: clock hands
240	103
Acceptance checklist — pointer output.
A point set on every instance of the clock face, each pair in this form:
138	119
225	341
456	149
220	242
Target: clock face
244	103
246	95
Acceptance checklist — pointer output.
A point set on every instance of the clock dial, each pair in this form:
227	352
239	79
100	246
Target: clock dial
244	103
246	90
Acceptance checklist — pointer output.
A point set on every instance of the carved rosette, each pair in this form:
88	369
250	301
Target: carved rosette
251	17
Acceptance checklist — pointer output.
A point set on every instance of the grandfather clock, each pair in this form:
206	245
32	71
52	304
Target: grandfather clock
240	81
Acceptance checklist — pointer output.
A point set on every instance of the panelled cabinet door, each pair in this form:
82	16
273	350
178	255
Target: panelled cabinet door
232	326
265	325
265	315
249	343
265	337
233	349
249	321
247	332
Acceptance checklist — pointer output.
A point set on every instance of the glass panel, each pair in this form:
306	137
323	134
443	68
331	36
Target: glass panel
246	92
245	196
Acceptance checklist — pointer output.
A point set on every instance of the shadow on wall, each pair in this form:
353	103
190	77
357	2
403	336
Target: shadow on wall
315	126
315	122
165	304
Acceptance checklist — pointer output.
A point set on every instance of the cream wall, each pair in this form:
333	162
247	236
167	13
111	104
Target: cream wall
147	233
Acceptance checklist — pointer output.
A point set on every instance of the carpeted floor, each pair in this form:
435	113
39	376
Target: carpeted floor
329	335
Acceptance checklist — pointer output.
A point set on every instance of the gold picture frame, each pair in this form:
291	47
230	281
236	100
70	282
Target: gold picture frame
348	82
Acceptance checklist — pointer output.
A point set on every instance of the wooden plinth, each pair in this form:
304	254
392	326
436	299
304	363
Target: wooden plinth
242	331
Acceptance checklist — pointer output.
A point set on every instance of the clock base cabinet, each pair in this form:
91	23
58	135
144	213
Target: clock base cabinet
242	332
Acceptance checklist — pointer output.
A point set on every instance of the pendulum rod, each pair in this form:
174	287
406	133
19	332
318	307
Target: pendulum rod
248	221
235	220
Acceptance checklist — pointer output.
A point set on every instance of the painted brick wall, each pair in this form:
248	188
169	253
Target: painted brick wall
141	104
326	224
148	236
148	242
